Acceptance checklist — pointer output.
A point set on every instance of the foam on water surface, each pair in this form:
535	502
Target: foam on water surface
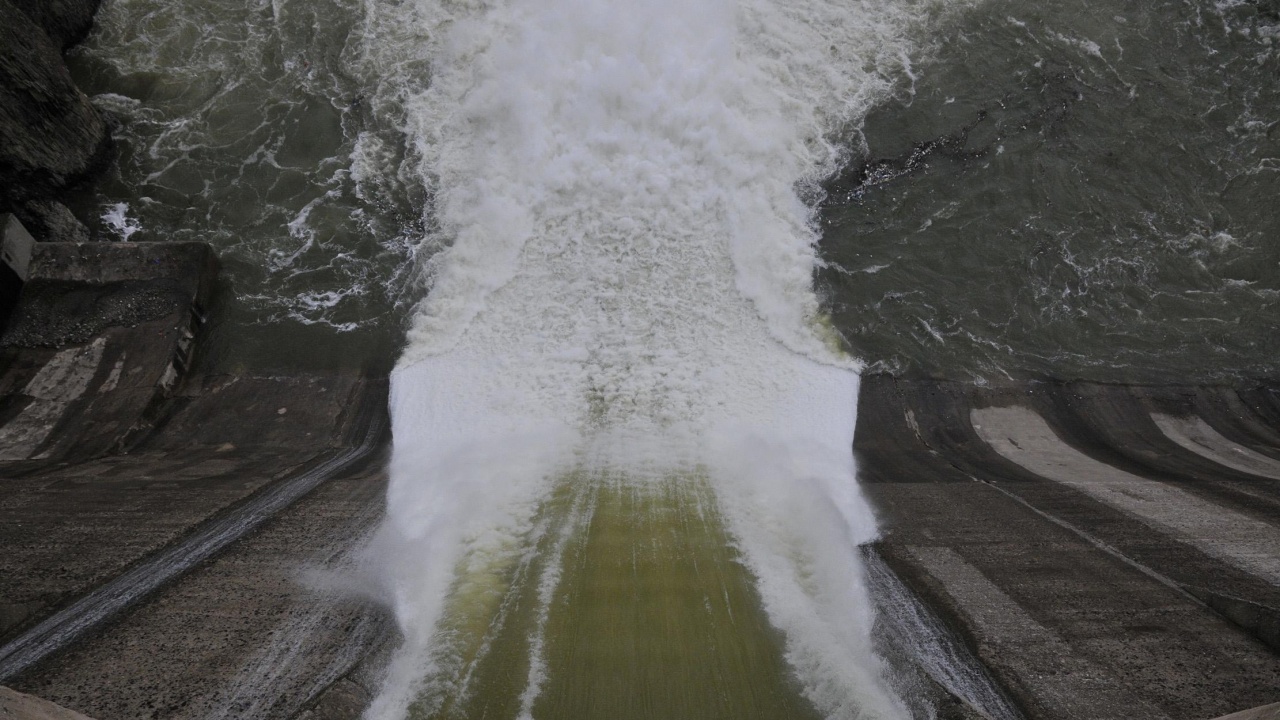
116	217
622	434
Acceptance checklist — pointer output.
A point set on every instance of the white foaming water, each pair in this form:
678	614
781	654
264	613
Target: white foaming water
117	218
627	287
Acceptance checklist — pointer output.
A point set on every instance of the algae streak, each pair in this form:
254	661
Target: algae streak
626	600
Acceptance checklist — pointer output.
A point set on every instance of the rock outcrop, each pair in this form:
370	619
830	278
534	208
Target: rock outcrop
51	137
50	220
66	22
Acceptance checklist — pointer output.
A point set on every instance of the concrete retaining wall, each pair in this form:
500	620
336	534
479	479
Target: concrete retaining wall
101	334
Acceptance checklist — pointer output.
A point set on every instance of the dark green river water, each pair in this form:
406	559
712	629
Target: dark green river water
1075	190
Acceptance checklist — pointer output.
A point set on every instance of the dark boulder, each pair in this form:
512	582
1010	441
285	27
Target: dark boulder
50	135
66	22
51	221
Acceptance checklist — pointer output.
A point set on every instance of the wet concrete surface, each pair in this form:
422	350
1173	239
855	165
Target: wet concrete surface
72	529
20	706
1097	566
260	631
1080	605
159	519
200	542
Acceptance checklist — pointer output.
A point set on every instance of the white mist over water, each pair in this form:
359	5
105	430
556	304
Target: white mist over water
627	289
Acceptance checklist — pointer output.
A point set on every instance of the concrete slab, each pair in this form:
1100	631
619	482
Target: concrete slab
57	384
20	706
1109	591
1022	436
98	341
1267	712
1066	682
1194	434
261	631
1114	425
69	528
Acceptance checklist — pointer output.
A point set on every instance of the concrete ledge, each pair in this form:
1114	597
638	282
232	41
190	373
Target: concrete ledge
105	262
19	706
1266	712
75	291
101	335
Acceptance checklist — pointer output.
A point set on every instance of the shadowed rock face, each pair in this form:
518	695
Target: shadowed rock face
50	135
66	22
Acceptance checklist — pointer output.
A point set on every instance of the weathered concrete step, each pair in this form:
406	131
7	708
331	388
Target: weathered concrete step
102	333
1266	712
20	706
1022	436
1196	435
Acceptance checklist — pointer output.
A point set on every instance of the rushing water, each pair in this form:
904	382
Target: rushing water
654	235
1077	190
622	484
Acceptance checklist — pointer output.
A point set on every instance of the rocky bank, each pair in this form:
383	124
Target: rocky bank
51	136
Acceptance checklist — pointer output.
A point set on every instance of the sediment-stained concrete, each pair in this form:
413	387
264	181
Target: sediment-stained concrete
1022	436
1081	608
58	383
261	631
1194	434
98	344
20	706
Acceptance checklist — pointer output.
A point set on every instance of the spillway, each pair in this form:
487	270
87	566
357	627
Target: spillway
622	483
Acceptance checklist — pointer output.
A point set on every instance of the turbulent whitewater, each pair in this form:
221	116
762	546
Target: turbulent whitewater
622	483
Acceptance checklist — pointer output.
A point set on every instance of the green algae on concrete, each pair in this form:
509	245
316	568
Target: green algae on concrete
20	706
631	602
